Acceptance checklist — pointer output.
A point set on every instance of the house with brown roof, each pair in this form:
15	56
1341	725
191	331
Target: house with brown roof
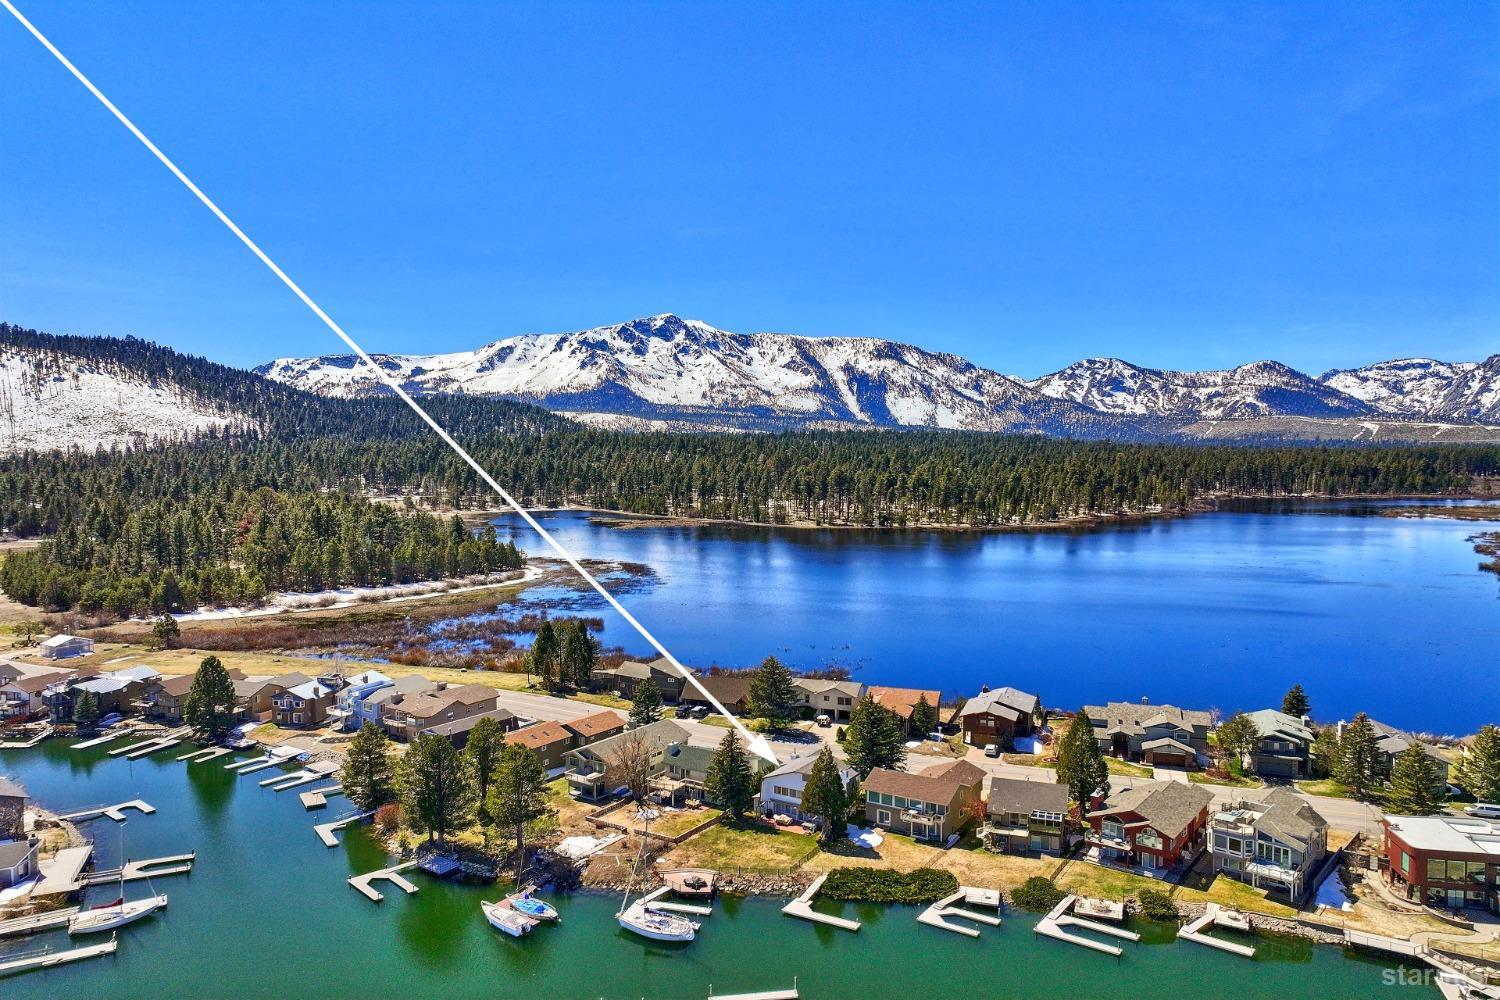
598	726
928	805
305	705
623	679
22	694
998	717
166	699
406	717
901	701
732	691
833	698
1025	817
548	740
1155	826
1160	735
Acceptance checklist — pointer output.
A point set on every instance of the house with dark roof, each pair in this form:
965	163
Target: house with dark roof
731	690
781	788
166	699
928	805
23	695
1159	735
1283	745
1276	840
405	717
998	717
456	731
623	679
1391	743
1155	826
1025	817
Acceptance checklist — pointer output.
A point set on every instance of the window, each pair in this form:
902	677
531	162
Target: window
883	817
1406	862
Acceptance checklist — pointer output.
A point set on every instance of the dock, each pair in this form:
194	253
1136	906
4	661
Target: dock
1216	916
1100	909
801	908
132	871
790	994
36	922
1054	925
46	731
253	764
155	743
651	901
318	797
206	754
326	831
312	772
362	882
60	873
101	740
158	745
936	915
47	958
115	812
690	881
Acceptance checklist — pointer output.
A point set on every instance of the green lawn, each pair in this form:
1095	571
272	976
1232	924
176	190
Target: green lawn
747	847
1332	789
1126	769
1244	781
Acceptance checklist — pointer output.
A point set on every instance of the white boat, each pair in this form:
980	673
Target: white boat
528	905
503	918
657	926
116	914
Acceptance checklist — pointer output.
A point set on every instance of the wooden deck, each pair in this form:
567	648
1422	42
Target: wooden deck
36	922
393	874
47	958
801	908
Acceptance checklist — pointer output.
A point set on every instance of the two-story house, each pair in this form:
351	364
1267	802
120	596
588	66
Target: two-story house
1025	817
1275	840
781	788
23	695
624	679
902	701
1449	862
18	851
306	704
1283	745
929	805
348	703
594	771
116	691
998	717
551	741
406	717
835	699
166	699
1154	826
1391	743
1159	735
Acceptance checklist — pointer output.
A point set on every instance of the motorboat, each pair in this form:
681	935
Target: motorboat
648	923
528	905
504	918
116	914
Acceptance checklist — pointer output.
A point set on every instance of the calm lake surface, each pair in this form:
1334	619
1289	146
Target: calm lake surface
266	913
1222	610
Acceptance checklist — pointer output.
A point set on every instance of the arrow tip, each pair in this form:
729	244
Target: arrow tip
761	747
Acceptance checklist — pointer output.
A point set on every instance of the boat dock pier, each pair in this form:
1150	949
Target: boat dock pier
318	797
801	908
101	740
1053	924
159	742
46	958
934	915
362	882
36	922
306	776
172	864
1216	916
206	754
790	994
326	831
651	901
253	764
46	731
115	812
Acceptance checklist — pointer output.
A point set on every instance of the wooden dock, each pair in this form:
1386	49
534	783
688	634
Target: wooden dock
105	738
1214	916
132	871
326	831
159	742
46	731
801	908
205	754
936	914
36	922
47	958
790	994
652	901
115	812
251	765
362	882
1053	926
312	772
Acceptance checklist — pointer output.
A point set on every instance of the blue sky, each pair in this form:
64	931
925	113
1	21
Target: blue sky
1183	185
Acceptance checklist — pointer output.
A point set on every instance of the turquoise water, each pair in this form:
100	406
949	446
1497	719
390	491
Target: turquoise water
1223	610
266	913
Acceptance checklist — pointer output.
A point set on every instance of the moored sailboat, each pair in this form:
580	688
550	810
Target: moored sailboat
116	914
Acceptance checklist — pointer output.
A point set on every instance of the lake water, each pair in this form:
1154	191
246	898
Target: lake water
1385	615
266	914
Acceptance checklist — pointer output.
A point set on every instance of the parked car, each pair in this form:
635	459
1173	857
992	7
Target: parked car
823	719
1484	810
683	711
935	736
992	750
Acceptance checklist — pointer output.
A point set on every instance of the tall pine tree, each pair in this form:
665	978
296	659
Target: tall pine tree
517	796
1081	764
546	654
211	707
874	738
1415	784
731	780
1356	759
437	786
824	796
484	748
773	693
645	707
368	776
1295	703
1479	771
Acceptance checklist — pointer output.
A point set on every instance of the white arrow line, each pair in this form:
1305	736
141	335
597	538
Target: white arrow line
758	744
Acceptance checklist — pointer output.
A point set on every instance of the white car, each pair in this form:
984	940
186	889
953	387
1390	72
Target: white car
823	719
1484	810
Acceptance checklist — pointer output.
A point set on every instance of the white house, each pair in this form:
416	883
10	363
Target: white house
347	704
61	647
836	699
781	789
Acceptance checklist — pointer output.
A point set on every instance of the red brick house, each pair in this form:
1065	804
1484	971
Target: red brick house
1448	862
1156	827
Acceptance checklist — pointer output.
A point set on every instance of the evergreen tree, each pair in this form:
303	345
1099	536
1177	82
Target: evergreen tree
1415	784
1081	764
1295	703
165	633
874	738
546	654
485	747
1356	759
211	707
580	653
436	785
1238	735
518	795
645	707
730	780
1479	771
368	776
1324	755
924	717
86	709
824	796
773	694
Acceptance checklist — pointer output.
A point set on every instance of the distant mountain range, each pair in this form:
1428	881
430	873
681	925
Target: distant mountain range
667	371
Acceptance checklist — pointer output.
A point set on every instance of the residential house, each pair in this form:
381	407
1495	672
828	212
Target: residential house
550	741
408	716
61	647
593	771
1283	745
1449	862
1275	840
23	695
781	788
731	690
457	730
306	704
1026	817
371	707
1155	826
1390	743
18	861
1161	735
901	701
348	704
685	773
600	725
253	696
166	699
116	691
835	699
1000	716
623	679
929	805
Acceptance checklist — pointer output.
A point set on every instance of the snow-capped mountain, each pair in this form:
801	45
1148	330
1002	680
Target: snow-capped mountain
1260	389
1423	388
59	401
664	365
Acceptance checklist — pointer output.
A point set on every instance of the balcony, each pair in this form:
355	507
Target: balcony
1106	840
